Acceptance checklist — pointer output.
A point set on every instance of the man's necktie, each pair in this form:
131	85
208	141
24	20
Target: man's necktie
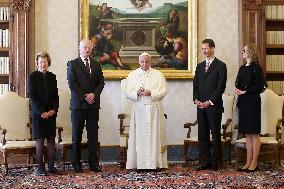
207	66
87	65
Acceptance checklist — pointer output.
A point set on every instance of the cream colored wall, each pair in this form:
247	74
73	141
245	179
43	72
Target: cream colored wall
57	32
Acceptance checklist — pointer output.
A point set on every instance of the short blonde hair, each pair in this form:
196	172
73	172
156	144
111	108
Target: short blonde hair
43	54
253	52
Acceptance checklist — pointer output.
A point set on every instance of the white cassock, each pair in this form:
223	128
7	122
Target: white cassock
146	144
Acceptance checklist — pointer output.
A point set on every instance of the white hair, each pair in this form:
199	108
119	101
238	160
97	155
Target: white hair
86	42
144	54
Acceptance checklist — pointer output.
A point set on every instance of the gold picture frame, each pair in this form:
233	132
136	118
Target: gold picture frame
84	11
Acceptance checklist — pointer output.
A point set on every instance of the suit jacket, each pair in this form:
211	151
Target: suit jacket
210	85
43	92
81	82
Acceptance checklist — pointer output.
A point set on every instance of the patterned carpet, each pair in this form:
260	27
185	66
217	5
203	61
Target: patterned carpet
177	176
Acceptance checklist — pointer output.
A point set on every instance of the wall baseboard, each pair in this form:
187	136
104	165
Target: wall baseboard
111	154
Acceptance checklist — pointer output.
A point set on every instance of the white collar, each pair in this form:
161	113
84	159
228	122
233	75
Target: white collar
144	72
209	61
83	59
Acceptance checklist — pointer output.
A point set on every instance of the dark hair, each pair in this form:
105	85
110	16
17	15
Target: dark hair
210	42
43	55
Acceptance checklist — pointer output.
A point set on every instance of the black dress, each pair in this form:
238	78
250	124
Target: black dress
43	94
250	79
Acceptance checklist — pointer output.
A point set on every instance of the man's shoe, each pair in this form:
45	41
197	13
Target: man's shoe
214	167
53	170
98	169
77	168
95	169
203	167
41	172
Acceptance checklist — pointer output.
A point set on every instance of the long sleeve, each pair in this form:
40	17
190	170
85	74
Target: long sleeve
237	80
99	88
55	95
36	104
151	80
195	85
132	95
258	82
132	87
72	81
221	85
161	91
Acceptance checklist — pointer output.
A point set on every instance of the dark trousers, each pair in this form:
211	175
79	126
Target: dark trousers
79	118
209	121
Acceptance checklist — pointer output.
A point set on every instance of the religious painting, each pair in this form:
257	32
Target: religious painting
122	30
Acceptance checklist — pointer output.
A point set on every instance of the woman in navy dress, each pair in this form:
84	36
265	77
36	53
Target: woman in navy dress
249	84
43	94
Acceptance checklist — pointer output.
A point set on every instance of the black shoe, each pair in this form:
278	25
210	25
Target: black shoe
241	170
53	170
251	170
41	172
77	168
95	168
214	167
203	167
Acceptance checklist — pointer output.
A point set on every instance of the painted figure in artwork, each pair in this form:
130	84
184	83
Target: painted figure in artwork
141	4
173	48
178	58
121	31
104	51
104	11
171	28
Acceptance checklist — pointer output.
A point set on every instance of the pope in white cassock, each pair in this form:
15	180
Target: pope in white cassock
146	87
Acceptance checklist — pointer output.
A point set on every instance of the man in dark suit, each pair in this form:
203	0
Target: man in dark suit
86	82
208	86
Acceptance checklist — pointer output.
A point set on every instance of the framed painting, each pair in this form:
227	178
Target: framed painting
122	30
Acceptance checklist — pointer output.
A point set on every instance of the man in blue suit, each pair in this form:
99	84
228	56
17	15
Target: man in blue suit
208	86
86	82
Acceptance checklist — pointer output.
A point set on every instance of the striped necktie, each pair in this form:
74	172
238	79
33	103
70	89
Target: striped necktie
87	65
207	66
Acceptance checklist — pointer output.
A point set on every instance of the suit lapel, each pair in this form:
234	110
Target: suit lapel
83	67
203	64
211	67
93	68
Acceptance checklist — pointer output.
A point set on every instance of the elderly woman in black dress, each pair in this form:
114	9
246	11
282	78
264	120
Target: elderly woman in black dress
249	84
43	94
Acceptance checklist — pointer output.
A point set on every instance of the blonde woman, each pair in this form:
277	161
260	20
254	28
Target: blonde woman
249	84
